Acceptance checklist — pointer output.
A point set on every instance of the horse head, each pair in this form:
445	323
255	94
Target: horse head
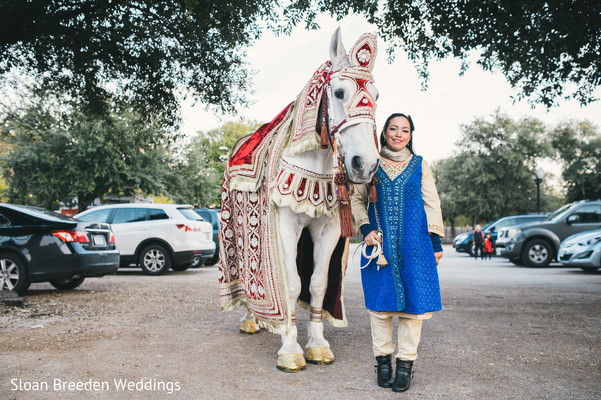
351	105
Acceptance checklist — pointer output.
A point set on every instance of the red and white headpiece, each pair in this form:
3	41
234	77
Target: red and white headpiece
362	106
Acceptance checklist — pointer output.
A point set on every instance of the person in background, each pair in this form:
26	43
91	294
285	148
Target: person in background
406	223
488	247
478	238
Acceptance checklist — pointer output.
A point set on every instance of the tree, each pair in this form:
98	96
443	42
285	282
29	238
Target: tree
148	50
491	174
578	146
59	153
542	47
198	177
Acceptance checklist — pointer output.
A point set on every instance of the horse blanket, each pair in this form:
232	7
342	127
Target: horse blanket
256	181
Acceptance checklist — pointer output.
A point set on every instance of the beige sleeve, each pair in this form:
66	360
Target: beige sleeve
359	205
431	201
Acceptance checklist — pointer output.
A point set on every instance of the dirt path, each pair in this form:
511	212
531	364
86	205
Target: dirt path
505	333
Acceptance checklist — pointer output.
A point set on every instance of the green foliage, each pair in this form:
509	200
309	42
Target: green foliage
578	146
153	52
540	46
59	153
147	49
491	174
198	177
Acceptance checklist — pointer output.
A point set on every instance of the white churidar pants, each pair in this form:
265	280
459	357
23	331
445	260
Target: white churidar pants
409	333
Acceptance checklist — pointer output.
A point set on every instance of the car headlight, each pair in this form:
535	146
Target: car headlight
512	232
461	237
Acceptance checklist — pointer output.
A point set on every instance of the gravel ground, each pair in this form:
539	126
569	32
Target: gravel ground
505	333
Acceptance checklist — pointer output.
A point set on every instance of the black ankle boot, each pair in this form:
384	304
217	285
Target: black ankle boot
402	380
384	371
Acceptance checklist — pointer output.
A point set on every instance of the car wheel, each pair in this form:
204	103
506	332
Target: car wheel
181	267
155	260
67	283
13	275
470	249
537	253
589	269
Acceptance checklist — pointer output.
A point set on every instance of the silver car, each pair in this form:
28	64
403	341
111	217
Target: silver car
582	250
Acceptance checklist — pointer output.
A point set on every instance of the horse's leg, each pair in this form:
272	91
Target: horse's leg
290	355
248	323
325	233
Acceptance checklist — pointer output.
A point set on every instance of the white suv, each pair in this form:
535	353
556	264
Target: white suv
154	236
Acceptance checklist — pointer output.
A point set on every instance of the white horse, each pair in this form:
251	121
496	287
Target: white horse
345	102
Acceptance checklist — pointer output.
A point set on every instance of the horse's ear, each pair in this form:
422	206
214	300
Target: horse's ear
364	51
337	51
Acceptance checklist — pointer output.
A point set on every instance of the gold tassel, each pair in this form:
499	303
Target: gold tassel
345	212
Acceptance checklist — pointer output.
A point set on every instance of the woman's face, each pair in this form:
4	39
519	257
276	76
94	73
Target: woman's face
398	133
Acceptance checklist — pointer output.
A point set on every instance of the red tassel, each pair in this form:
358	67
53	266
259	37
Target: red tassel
324	136
345	212
371	188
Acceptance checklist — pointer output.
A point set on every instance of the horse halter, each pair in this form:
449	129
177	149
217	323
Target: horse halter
360	108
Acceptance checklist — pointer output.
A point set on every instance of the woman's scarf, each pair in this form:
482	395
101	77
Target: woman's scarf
396	156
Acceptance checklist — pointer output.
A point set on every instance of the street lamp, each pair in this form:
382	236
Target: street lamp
538	176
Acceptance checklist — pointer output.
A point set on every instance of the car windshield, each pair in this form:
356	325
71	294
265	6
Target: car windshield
43	213
190	214
557	212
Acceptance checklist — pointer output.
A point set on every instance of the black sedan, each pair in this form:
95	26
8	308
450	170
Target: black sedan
37	245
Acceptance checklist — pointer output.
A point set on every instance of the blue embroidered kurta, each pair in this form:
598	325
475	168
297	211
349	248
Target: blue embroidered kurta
409	283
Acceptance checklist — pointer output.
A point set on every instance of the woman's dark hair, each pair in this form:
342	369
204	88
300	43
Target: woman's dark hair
411	127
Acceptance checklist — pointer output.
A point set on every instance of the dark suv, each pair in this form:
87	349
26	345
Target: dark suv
212	215
536	244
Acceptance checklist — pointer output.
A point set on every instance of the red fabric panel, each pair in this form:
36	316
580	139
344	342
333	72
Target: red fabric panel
244	154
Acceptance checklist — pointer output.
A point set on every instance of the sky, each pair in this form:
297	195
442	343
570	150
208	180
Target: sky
284	64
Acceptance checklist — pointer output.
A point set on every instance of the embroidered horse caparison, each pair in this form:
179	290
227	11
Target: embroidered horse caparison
282	194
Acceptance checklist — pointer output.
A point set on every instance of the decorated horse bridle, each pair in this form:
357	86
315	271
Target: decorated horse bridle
360	108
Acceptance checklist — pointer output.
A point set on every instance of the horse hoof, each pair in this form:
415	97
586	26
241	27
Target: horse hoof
320	355
291	362
249	327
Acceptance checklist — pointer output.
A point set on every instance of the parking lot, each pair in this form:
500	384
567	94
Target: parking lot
505	332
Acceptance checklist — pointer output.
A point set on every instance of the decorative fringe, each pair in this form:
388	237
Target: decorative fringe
371	188
345	213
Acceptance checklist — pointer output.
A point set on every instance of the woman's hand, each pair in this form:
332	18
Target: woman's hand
438	256
372	238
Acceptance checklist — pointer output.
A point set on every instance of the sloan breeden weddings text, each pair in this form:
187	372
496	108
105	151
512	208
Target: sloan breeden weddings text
90	385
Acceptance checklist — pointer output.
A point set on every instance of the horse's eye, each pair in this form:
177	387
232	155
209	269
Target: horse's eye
339	93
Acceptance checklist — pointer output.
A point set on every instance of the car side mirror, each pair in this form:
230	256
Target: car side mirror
492	229
572	219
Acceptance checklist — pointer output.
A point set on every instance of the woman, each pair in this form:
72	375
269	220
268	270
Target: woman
407	222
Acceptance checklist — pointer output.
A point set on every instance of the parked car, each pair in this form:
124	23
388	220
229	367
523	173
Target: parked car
537	244
507	232
582	250
213	216
464	242
38	245
154	236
